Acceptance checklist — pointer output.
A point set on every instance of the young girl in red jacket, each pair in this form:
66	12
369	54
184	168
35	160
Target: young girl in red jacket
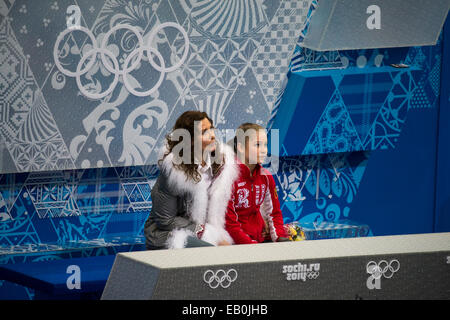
253	214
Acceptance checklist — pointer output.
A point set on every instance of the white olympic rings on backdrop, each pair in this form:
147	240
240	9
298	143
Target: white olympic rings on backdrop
114	68
383	268
220	277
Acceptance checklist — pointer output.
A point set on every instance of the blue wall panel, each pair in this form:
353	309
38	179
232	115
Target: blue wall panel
301	109
442	222
396	195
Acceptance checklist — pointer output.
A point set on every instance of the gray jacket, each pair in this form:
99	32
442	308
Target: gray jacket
169	212
179	205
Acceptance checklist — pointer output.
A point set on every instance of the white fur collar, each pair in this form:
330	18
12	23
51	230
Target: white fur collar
208	206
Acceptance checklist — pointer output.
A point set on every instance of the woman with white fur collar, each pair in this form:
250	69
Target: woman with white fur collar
191	194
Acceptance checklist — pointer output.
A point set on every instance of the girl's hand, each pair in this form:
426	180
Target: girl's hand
224	243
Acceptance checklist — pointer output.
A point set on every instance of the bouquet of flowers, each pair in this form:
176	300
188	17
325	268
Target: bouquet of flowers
294	231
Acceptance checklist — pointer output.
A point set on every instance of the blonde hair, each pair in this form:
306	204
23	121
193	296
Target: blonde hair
244	128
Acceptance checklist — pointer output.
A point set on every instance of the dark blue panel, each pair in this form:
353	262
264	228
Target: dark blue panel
51	276
396	195
363	105
304	101
442	223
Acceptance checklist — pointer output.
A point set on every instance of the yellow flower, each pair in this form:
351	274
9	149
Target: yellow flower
293	231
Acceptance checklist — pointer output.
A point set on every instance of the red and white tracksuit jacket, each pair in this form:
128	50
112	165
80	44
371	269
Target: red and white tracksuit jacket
254	199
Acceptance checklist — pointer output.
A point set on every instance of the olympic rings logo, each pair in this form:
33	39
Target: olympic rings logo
382	268
219	278
114	68
313	275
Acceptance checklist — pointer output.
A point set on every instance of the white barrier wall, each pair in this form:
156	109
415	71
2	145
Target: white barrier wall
392	267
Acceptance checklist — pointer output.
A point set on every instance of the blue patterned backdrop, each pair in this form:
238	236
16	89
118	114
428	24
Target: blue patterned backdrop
358	136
